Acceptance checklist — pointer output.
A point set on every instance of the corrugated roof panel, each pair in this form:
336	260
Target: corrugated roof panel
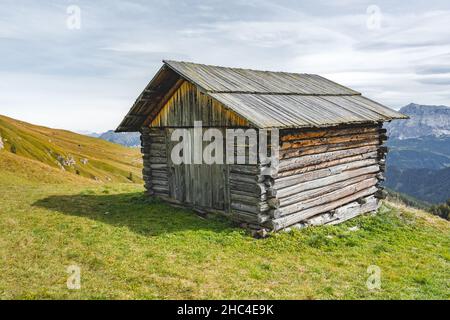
290	111
221	79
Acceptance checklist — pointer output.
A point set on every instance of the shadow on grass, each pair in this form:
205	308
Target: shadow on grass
135	211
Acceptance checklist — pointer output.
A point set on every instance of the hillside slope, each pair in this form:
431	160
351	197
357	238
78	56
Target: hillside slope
420	167
77	154
420	153
428	185
19	170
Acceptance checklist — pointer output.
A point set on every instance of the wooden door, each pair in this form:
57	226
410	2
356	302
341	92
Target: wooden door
200	185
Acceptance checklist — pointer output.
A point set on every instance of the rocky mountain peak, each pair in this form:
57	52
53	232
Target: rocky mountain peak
425	120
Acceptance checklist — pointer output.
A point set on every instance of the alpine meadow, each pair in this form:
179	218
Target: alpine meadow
129	246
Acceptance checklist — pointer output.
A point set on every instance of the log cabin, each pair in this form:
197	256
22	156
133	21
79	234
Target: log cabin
329	158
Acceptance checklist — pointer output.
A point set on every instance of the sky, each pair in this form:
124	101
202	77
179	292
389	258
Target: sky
80	65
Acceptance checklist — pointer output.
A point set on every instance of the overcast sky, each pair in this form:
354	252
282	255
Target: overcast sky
56	74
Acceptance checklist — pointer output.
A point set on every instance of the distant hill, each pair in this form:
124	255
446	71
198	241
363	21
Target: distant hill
418	162
129	139
69	152
425	152
432	186
88	133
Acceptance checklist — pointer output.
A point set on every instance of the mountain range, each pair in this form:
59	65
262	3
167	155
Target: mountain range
418	161
128	139
424	121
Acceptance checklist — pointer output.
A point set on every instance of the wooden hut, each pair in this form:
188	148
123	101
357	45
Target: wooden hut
331	156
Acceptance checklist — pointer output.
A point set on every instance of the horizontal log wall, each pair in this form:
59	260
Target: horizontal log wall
323	173
323	177
154	152
342	214
248	192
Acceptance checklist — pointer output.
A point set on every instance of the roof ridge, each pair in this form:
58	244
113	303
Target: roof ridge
237	68
287	93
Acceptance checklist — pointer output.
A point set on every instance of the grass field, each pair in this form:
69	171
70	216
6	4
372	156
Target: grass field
128	246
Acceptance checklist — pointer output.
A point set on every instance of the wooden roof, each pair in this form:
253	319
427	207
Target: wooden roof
266	99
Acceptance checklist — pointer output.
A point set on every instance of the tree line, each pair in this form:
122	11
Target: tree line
441	210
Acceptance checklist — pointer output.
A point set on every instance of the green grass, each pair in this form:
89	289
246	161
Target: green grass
129	246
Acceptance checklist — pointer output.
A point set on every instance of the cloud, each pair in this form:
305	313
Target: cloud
445	80
436	69
97	72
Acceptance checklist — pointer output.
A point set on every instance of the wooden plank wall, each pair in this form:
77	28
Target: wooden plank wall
188	104
326	176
